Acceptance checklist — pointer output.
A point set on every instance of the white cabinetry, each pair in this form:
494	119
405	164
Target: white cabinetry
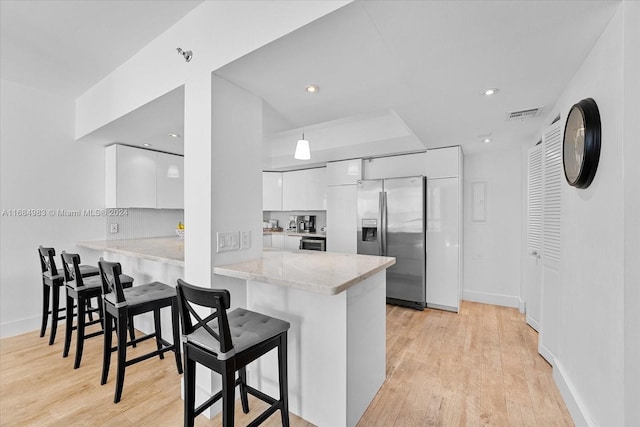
169	181
137	178
444	254
292	243
444	162
316	189
342	217
277	241
266	241
304	190
271	191
342	205
294	190
344	172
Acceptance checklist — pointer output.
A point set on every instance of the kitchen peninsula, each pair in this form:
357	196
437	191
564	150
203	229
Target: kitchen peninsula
337	341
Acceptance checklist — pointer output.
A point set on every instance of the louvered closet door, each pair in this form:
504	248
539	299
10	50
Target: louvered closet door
533	265
553	179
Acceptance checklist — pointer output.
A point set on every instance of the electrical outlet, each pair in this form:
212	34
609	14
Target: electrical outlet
228	241
246	239
113	228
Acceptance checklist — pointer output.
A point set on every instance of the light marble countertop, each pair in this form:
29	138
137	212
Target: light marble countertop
168	250
321	272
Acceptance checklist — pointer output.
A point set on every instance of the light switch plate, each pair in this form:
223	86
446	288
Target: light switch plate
113	228
246	239
228	241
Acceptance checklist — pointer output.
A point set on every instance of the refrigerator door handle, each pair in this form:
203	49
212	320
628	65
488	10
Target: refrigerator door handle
383	222
380	223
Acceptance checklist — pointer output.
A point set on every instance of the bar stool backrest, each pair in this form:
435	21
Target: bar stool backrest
110	273
71	266
190	297
47	260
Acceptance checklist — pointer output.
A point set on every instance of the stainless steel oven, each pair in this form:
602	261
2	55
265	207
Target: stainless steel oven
312	244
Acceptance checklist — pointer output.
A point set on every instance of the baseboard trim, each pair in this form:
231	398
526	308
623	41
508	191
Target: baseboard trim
533	323
576	407
521	306
546	353
494	299
22	326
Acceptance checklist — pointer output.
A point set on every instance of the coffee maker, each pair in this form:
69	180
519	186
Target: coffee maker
306	224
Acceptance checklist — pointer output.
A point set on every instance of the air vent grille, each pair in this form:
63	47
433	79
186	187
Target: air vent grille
523	114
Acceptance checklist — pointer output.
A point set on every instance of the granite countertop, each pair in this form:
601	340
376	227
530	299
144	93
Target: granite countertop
316	234
168	250
322	272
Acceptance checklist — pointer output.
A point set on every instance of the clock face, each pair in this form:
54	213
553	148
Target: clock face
574	145
581	145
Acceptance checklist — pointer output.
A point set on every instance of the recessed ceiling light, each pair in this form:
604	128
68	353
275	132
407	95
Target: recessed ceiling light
491	91
312	88
486	140
146	145
174	135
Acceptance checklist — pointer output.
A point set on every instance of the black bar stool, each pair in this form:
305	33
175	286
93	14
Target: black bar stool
226	344
81	290
52	281
121	305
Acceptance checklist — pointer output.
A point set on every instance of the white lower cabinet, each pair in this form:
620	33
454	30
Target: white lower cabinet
292	243
277	241
266	241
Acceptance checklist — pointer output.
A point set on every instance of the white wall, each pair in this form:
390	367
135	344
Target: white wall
589	360
42	168
217	32
492	262
631	178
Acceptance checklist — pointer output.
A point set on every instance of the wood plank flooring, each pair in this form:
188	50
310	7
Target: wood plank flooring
478	367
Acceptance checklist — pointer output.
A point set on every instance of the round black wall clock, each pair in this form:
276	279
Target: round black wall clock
581	144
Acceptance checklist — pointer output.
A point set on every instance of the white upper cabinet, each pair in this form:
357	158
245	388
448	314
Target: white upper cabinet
137	178
169	181
304	190
294	190
130	177
271	191
444	162
317	189
345	172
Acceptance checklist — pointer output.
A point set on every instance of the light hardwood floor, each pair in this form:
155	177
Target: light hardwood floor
478	367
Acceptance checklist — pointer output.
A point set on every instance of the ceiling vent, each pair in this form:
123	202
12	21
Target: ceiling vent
523	114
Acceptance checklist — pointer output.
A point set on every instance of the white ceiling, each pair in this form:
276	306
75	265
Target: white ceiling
67	46
394	76
428	62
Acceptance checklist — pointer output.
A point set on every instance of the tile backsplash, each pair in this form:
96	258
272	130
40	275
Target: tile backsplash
143	223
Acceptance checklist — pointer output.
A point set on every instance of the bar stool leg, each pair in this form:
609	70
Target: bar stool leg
55	290
243	390
175	320
82	305
228	394
132	332
121	327
158	326
282	371
106	351
45	308
189	389
69	325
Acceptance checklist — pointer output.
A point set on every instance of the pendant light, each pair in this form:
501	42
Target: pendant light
302	149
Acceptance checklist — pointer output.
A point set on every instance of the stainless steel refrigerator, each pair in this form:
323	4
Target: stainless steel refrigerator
391	222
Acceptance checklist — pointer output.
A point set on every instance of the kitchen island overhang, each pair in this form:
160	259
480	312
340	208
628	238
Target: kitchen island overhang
337	341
